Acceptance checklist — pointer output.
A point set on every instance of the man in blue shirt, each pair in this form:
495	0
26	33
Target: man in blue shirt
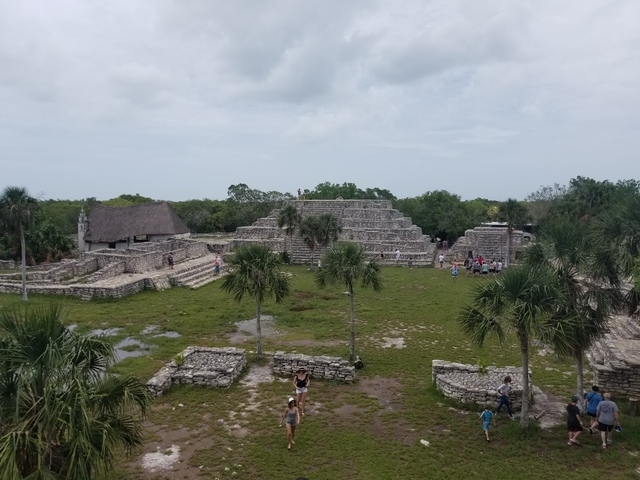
591	401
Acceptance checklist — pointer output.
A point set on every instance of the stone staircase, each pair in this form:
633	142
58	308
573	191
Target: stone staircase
615	357
373	224
195	276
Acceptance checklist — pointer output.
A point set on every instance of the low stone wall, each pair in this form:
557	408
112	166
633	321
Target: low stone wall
470	384
110	271
213	367
10	264
331	368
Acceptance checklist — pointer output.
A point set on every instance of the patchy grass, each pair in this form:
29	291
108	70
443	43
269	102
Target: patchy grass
369	430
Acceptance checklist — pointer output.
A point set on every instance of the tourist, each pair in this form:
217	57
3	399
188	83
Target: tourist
410	264
607	417
486	417
591	401
492	267
454	271
217	263
441	260
503	391
397	256
170	260
319	265
301	381
299	194
476	268
480	260
468	264
574	422
485	268
499	267
382	255
292	416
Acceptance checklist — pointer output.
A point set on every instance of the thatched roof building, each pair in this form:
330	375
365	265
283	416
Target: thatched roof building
106	227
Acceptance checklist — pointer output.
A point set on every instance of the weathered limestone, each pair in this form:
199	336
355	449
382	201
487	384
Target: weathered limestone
470	384
373	224
213	367
330	368
118	273
615	358
490	243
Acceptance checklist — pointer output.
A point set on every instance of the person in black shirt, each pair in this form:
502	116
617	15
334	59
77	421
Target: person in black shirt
574	422
301	382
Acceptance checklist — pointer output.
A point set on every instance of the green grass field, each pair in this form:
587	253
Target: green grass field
369	430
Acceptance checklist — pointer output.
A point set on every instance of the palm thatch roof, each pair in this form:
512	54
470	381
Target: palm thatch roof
110	224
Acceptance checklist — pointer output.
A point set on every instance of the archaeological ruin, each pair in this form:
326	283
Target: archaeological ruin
373	224
491	242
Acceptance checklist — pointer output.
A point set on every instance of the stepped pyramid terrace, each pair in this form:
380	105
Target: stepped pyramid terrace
373	224
491	242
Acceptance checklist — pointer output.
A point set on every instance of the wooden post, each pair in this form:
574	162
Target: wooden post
634	407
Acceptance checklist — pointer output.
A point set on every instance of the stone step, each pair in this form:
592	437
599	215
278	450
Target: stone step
204	281
193	276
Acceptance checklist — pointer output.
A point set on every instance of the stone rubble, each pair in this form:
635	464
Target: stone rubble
330	368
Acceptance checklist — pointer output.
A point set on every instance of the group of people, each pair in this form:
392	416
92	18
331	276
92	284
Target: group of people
479	266
295	406
604	417
600	408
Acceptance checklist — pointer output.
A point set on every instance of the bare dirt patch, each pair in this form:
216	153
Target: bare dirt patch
386	390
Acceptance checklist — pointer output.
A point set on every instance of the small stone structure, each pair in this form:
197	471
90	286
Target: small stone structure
615	358
372	224
111	273
490	243
330	368
470	384
214	367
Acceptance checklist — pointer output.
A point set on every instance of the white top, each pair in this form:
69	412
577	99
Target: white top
397	253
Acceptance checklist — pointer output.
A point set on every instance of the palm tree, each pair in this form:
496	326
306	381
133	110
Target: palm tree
61	414
345	264
289	218
515	215
328	229
519	300
254	270
588	279
309	231
17	211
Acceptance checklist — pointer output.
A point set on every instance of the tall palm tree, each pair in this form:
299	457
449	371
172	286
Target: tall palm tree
518	301
328	229
17	212
309	231
61	414
345	264
289	218
588	279
254	270
515	215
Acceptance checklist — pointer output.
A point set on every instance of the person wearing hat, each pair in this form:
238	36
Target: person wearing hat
301	382
574	422
292	416
591	401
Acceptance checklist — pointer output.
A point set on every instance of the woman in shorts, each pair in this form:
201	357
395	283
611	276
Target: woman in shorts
292	416
301	382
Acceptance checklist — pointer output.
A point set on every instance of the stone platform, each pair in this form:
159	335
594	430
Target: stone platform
372	224
471	384
329	368
615	358
213	367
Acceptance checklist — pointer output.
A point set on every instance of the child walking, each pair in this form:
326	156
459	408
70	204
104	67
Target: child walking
486	417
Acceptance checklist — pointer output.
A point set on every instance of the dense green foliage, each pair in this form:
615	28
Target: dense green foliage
61	415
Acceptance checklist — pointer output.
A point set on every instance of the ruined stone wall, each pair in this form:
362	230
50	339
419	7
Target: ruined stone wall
110	271
10	264
330	368
213	367
470	384
84	292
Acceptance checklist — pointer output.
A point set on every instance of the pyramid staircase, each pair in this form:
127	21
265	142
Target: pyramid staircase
195	276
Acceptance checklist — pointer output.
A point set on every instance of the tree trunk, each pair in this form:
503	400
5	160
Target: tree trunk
23	246
524	413
352	343
258	330
580	378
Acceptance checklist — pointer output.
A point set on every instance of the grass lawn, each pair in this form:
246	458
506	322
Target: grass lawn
369	430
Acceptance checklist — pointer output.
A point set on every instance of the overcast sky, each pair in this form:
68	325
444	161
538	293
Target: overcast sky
178	99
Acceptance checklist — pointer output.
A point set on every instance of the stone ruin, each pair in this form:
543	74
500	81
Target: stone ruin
472	384
373	224
213	367
111	273
490	242
615	358
329	368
